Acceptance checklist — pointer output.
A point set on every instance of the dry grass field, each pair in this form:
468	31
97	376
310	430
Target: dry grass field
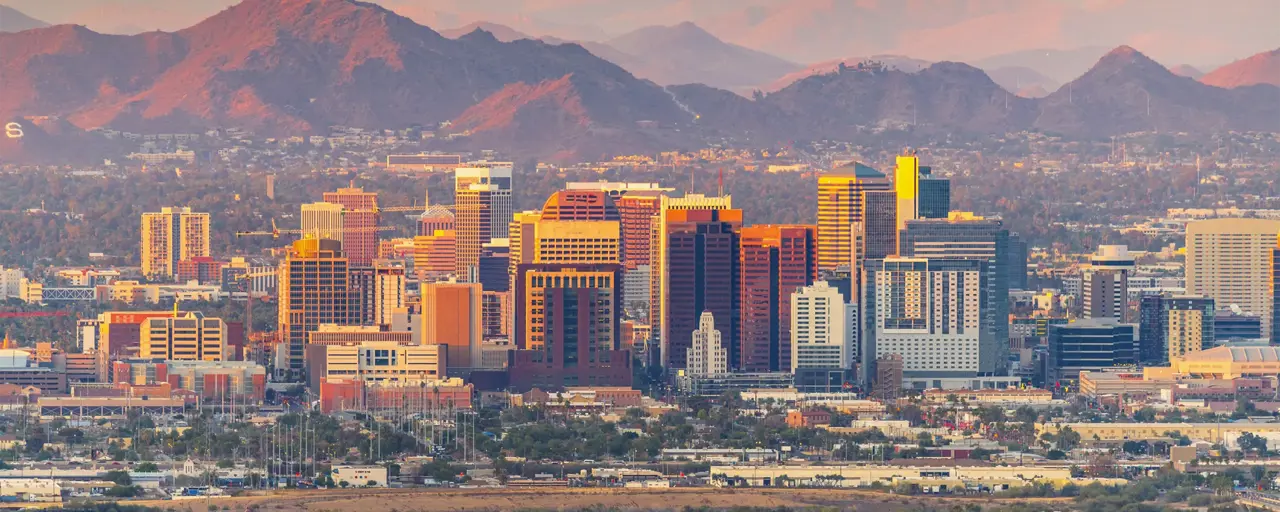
420	500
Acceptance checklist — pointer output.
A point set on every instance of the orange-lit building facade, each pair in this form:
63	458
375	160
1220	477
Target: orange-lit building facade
359	223
774	262
452	314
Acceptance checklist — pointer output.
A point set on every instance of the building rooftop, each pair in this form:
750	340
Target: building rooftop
855	170
1236	354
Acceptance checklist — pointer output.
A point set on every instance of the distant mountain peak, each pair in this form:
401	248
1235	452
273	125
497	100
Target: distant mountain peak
1125	61
1261	68
502	32
1123	55
479	34
13	20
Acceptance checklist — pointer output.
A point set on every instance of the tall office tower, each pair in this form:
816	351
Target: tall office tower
840	205
435	255
879	224
453	315
638	204
1087	345
824	329
637	211
1229	260
1190	325
594	288
170	236
966	236
1153	330
359	223
906	182
496	314
1018	257
436	217
1106	283
185	337
574	228
323	220
930	312
935	195
569	334
707	353
495	259
700	272
483	202
658	250
774	262
314	289
1275	295
382	291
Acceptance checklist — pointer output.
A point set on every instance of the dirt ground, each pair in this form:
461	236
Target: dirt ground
430	500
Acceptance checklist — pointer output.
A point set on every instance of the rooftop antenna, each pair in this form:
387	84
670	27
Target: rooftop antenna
721	182
693	173
1195	190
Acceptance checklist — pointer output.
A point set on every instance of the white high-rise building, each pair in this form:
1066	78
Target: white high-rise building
928	311
322	220
1106	283
1229	260
707	355
10	283
824	329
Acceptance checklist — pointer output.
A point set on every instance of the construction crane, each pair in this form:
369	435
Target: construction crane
248	299
276	231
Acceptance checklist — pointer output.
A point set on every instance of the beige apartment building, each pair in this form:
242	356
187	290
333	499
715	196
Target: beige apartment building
172	235
184	337
1229	260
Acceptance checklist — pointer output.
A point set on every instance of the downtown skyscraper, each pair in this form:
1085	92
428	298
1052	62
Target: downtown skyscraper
359	224
775	262
841	204
699	253
1229	260
314	289
484	208
965	236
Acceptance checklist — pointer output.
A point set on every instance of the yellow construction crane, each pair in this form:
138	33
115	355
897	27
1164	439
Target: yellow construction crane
248	300
276	232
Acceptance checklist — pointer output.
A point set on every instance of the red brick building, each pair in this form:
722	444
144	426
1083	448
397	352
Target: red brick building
347	395
202	269
808	418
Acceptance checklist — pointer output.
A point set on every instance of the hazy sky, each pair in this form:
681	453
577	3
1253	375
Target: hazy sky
1198	32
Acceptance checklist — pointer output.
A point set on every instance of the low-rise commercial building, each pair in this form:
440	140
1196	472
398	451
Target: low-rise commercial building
360	476
936	478
377	362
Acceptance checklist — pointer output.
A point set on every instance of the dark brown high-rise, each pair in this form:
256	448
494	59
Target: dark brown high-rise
880	224
775	261
701	274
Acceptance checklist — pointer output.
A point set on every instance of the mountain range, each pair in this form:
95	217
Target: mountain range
668	55
299	66
11	20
